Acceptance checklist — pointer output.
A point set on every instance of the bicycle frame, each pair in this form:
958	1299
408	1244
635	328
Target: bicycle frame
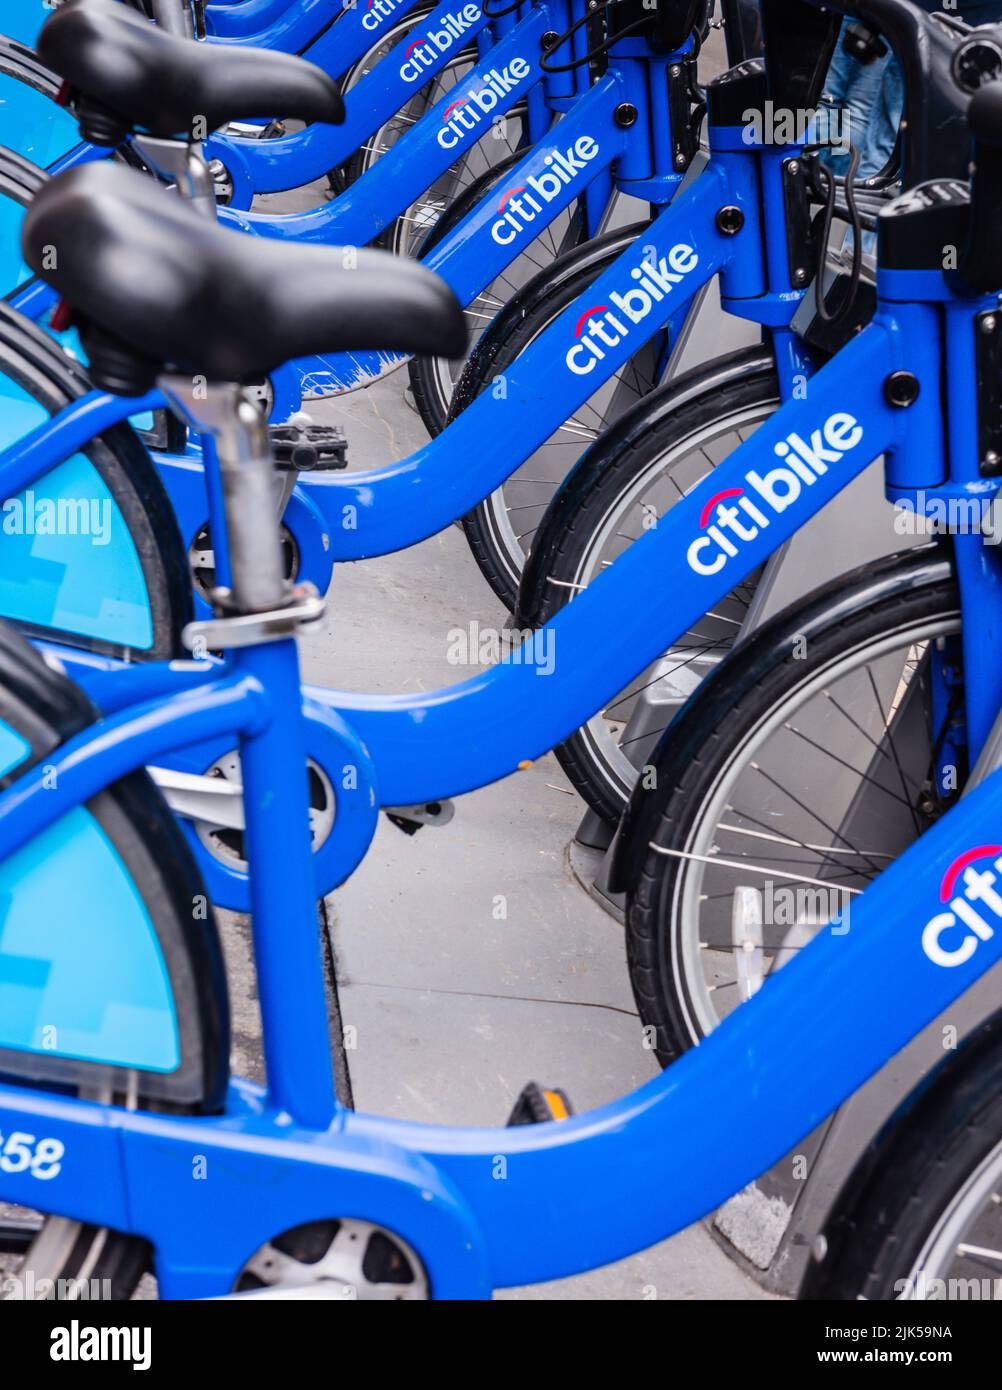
374	512
271	166
370	513
510	71
480	730
282	24
584	148
487	1208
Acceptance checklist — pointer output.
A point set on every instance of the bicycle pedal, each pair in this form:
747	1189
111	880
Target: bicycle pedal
309	448
537	1105
410	819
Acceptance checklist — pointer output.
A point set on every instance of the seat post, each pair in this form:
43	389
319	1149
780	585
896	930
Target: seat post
174	17
184	162
240	436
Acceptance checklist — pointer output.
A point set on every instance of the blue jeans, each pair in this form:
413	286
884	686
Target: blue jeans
869	101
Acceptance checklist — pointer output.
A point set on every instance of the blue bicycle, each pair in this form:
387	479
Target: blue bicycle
309	544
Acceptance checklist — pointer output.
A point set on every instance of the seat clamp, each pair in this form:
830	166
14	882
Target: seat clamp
221	633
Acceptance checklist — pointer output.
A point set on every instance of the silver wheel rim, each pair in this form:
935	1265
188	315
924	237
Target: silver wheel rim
966	1238
608	759
512	513
339	1255
688	955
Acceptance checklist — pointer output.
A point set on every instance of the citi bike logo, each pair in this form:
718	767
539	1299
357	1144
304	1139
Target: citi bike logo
466	113
739	514
422	53
376	11
605	326
970	897
521	205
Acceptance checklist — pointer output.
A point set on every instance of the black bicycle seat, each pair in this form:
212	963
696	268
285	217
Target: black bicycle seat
156	82
178	290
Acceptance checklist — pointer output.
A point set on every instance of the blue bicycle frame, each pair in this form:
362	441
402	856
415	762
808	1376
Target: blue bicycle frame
372	513
577	160
793	1053
273	165
504	78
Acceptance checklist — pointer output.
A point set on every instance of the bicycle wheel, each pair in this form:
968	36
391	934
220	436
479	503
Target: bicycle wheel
130	596
121	849
631	477
921	1218
340	177
433	379
404	235
501	529
803	767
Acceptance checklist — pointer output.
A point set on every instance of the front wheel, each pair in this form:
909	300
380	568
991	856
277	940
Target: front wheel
805	766
922	1220
627	481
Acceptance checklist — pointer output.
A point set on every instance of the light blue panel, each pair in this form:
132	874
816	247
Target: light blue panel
13	271
67	560
13	748
81	970
31	124
22	19
69	341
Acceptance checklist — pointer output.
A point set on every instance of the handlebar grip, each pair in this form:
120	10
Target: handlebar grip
981	262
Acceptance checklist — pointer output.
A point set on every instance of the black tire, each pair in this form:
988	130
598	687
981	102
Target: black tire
786	659
425	372
405	234
46	709
605	496
433	379
497	548
343	175
907	1187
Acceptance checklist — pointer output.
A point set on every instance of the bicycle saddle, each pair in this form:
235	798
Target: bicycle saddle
175	289
144	78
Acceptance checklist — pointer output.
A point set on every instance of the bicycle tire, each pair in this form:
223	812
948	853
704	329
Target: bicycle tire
595	497
761	678
522	320
885	1233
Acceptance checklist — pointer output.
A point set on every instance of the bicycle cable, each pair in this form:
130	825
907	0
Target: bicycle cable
636	27
829	183
490	13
